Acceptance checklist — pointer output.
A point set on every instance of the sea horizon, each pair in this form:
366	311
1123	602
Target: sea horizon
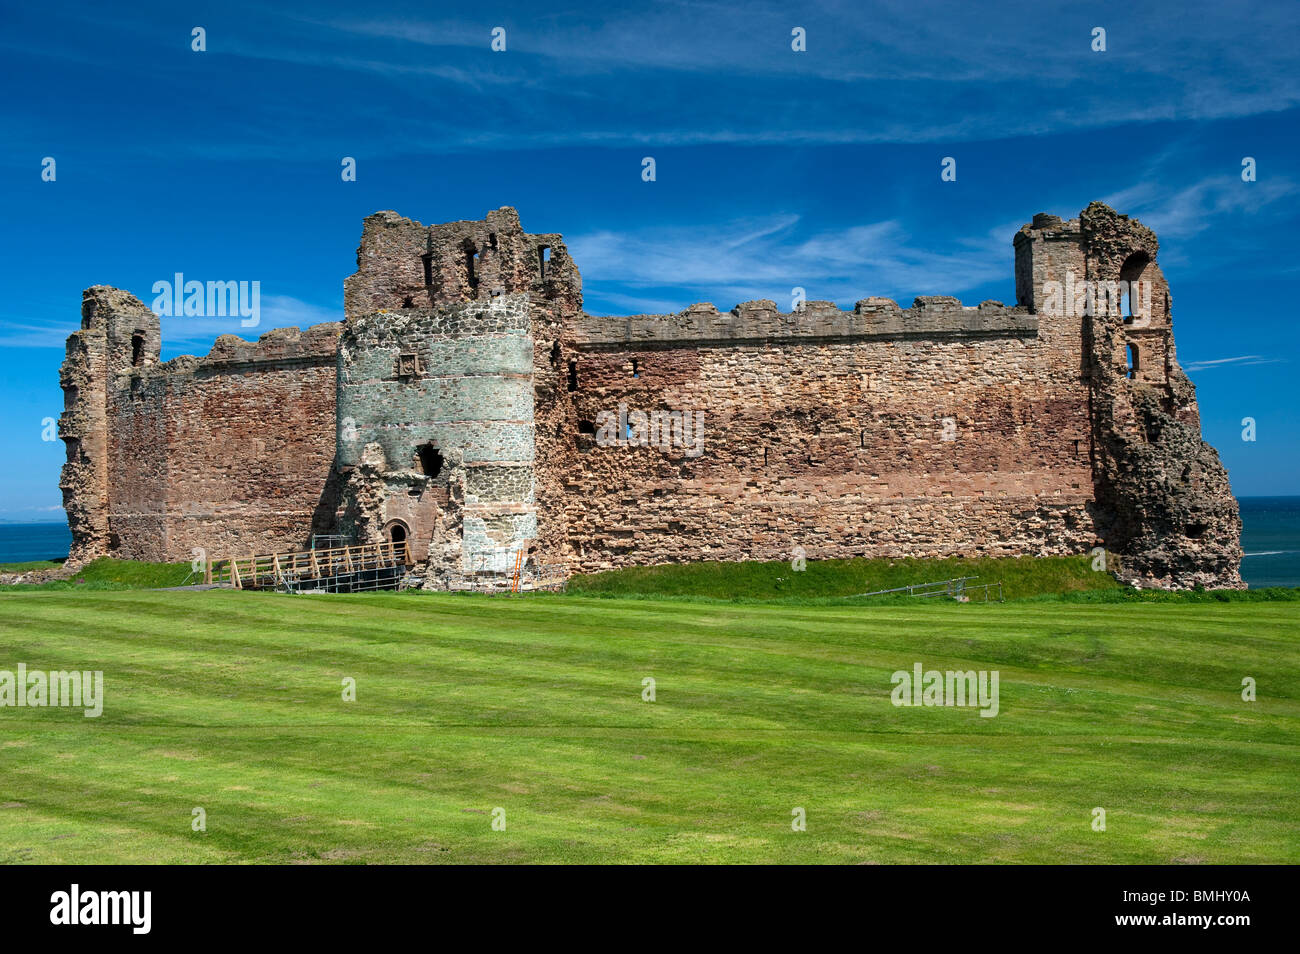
1270	539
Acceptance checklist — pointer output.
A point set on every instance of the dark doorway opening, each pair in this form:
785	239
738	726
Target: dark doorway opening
429	460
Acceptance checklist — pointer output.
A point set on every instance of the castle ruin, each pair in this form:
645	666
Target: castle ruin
466	404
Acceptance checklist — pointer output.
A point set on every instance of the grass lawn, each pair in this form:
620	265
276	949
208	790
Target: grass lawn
232	702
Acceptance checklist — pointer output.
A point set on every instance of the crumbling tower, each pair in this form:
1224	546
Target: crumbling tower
436	384
1163	500
119	338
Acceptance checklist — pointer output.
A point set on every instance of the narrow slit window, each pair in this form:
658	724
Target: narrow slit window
471	267
573	375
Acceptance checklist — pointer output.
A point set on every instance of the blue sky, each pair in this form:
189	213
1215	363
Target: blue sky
775	169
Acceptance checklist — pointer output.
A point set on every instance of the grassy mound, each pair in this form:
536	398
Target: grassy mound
106	573
30	566
1020	577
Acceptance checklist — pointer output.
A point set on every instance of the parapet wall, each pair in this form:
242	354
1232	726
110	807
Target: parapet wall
756	323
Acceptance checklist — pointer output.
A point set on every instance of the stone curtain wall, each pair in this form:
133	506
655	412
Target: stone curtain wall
877	432
231	452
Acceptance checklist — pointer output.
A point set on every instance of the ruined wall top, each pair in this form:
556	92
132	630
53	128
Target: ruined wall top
1099	230
404	264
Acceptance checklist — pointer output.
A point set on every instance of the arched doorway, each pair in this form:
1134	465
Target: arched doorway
396	531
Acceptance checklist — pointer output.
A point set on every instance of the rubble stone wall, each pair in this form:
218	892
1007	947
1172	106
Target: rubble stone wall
878	432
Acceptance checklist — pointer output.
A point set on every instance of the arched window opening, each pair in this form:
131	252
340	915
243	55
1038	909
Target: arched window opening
1130	273
397	532
137	349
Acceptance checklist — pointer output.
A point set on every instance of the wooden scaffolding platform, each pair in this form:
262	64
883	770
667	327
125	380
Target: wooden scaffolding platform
346	569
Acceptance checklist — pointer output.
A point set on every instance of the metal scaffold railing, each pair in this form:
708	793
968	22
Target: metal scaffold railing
958	588
503	570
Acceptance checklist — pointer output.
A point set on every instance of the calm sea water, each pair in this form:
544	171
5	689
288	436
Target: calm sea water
1270	537
20	542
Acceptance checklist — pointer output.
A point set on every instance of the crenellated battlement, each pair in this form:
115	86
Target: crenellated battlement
755	323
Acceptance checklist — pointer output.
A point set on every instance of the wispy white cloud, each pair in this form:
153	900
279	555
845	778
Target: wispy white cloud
747	259
26	333
1181	211
707	73
277	311
1241	361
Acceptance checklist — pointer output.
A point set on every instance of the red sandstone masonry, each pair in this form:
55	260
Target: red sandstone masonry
836	448
231	453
